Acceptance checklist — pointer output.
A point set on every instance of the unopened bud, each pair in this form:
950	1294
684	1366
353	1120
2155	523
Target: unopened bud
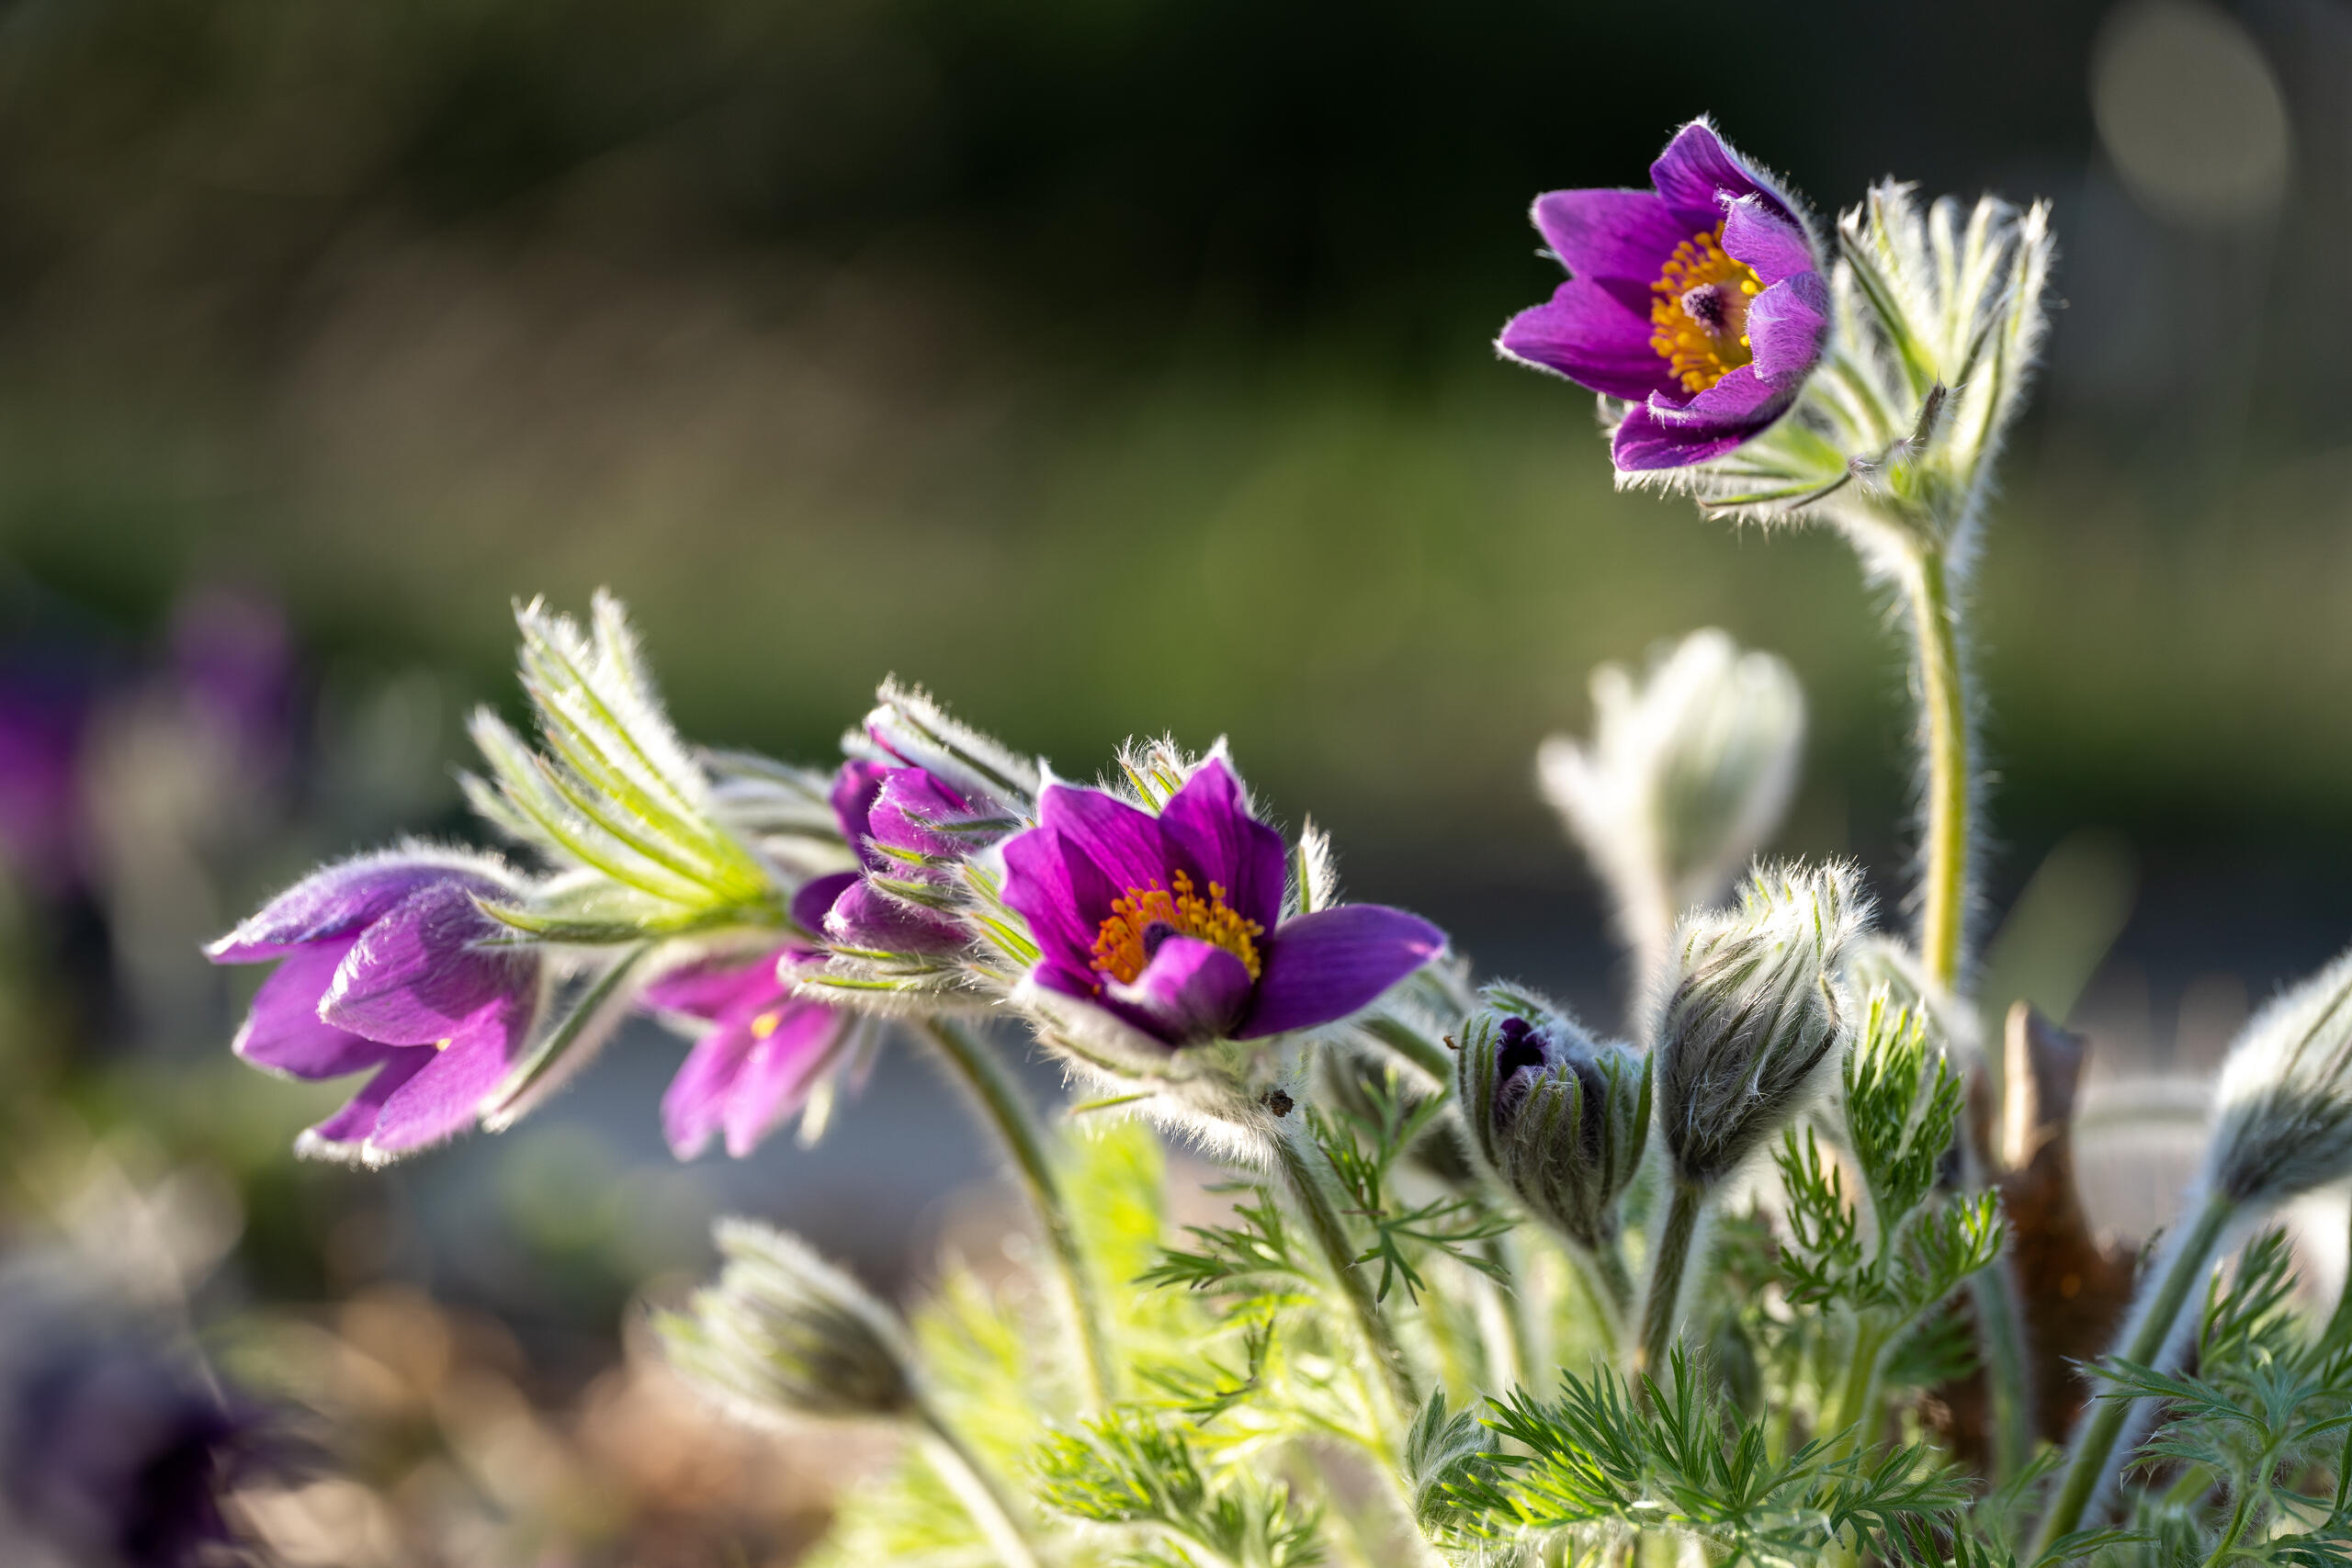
1751	1011
1556	1120
2286	1095
1688	769
783	1334
910	728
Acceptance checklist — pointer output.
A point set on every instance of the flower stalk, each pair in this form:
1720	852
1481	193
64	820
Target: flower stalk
1391	1390
963	1474
2093	1458
1678	1243
1001	1104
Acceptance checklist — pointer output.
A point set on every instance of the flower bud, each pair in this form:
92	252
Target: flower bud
1751	1009
1687	772
783	1334
2286	1095
1556	1120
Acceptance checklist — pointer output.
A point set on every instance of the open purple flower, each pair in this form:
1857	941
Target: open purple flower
1700	300
764	1052
1173	923
384	966
903	822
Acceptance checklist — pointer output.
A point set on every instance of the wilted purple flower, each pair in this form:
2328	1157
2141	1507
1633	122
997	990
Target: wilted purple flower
904	823
765	1051
1700	300
1173	923
384	964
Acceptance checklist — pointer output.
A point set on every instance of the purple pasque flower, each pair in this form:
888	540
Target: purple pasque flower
766	1049
384	966
1700	300
1173	923
904	823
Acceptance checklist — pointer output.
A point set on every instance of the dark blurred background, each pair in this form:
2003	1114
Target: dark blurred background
1113	367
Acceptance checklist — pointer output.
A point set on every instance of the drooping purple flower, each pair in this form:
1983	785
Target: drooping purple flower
755	1065
1700	300
1173	923
903	822
384	966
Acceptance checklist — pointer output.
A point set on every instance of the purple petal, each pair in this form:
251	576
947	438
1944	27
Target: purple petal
1644	441
284	1033
1190	990
1612	233
1123	844
1087	850
417	976
854	788
1784	328
778	1073
1327	965
709	990
445	1098
1209	826
866	919
818	895
1771	244
748	1073
911	801
1039	886
1741	400
1594	337
337	901
1697	173
352	1125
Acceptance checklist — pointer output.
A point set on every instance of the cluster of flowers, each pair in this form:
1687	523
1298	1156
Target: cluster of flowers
931	869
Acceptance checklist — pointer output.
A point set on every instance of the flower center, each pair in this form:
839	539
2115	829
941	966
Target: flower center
1147	917
1699	319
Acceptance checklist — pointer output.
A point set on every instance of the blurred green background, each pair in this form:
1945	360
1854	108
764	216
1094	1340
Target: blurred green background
1115	367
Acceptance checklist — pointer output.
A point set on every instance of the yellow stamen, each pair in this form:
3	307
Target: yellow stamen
764	1025
1149	916
1699	317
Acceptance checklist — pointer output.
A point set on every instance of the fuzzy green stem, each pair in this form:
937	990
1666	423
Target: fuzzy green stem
1393	1389
1427	1056
1950	773
1670	1260
2238	1517
1510	1284
975	1488
1943	727
1858	1395
2092	1460
1002	1103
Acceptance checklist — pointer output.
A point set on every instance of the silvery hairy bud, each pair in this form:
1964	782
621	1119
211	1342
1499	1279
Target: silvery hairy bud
784	1334
2286	1095
1688	769
1750	1011
1555	1119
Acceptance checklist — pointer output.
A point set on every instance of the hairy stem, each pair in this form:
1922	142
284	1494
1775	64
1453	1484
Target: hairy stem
1948	764
977	1490
2092	1460
1857	1396
1669	1261
1391	1388
1944	739
1017	1127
